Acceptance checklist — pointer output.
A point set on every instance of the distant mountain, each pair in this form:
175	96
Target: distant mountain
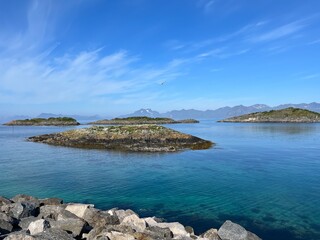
143	112
224	112
77	117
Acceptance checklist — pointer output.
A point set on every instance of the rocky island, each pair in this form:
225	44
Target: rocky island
59	121
287	115
132	138
141	120
25	217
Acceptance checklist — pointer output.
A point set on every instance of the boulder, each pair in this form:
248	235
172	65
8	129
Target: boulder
5	227
211	234
176	228
25	222
158	232
78	209
233	231
22	235
189	230
4	201
50	211
38	226
150	221
20	210
124	213
25	198
53	234
74	226
50	201
134	222
119	236
96	218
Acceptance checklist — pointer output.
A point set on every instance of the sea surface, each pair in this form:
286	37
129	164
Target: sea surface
265	177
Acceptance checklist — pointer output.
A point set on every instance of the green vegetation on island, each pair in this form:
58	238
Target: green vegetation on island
131	138
287	115
141	120
59	121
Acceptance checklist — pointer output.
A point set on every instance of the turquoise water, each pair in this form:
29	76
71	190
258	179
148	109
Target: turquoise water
263	176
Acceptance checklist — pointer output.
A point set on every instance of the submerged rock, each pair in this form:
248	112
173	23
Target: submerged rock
136	138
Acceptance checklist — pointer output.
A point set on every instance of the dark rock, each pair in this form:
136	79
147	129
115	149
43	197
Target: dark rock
25	222
189	230
51	211
20	210
159	233
97	218
233	231
50	201
53	234
5	227
4	201
211	234
72	225
25	198
124	213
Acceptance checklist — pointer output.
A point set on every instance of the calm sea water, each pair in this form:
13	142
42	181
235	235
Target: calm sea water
262	176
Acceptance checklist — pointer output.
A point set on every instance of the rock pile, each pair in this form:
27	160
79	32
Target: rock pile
27	218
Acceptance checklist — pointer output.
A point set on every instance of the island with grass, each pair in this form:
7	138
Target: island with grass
287	115
141	120
129	138
59	121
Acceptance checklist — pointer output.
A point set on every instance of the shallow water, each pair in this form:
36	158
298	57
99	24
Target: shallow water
263	176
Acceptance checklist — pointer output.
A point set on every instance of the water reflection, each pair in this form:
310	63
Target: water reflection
275	128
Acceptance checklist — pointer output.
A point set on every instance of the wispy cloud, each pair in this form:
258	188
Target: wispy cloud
279	32
311	76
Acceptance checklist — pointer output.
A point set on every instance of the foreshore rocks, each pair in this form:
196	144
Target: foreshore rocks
53	220
129	138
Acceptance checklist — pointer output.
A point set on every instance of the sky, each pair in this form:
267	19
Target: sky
112	57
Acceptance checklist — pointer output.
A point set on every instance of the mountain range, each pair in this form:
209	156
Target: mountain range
224	112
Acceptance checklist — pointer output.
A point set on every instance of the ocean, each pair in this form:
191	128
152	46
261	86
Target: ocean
266	177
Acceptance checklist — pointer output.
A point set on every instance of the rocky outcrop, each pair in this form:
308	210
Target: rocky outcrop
288	115
51	221
60	121
141	120
134	138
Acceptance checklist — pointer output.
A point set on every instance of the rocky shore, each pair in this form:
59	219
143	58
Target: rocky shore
130	138
287	115
141	120
60	121
26	217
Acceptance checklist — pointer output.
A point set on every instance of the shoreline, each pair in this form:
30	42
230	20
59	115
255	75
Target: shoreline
27	217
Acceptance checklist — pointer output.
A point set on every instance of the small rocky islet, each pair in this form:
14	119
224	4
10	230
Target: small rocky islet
129	138
287	115
59	121
141	120
25	217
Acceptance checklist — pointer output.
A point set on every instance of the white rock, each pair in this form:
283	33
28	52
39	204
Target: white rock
119	236
150	221
78	209
134	222
176	228
38	226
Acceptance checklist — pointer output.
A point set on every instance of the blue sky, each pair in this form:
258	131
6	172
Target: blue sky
112	57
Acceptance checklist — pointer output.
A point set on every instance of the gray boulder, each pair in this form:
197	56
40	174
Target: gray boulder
38	226
50	211
118	236
97	219
53	234
78	209
22	235
5	227
25	198
134	222
211	234
20	210
158	232
4	201
50	201
72	225
25	222
233	231
121	214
